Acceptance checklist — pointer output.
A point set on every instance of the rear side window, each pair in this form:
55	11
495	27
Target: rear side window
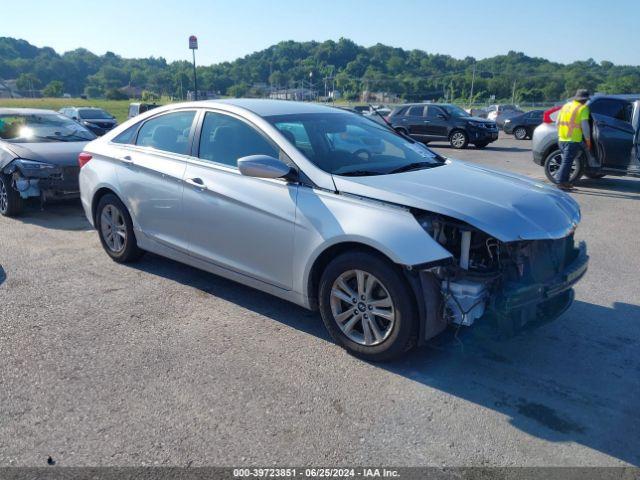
225	139
416	111
169	132
612	108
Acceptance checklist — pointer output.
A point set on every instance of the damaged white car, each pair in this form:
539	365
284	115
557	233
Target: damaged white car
38	157
391	243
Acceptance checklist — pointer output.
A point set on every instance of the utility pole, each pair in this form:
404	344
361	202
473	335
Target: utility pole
473	79
193	45
513	93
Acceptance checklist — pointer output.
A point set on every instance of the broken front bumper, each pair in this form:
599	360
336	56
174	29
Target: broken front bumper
55	183
520	306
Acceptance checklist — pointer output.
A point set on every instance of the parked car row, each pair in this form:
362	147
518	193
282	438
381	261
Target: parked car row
430	122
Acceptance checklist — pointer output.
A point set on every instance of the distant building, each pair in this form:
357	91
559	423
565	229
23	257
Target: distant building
298	94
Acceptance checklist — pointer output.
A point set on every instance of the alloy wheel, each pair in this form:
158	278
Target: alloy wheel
4	197
554	167
458	139
362	307
520	133
113	228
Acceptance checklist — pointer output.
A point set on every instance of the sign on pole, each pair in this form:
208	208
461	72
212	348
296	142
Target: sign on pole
193	45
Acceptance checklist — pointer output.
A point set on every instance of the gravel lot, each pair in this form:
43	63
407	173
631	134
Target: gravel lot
159	363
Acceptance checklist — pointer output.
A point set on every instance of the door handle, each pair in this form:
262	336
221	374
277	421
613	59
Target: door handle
427	121
127	159
196	182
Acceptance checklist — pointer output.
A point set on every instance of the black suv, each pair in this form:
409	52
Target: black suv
430	122
95	119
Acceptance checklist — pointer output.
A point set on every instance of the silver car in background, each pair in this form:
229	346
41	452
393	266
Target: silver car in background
391	243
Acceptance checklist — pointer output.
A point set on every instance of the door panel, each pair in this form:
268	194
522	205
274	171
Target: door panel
416	121
151	174
241	223
436	127
615	139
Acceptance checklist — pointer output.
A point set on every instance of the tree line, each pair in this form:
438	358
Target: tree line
321	66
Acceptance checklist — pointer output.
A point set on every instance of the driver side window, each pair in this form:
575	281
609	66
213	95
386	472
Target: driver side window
225	139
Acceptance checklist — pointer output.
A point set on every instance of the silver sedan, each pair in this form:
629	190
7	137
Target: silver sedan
391	242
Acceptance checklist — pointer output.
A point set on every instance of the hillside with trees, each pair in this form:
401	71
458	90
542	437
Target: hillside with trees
350	68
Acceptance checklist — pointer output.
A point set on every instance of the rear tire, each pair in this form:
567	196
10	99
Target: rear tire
520	133
459	139
552	164
367	306
10	200
115	229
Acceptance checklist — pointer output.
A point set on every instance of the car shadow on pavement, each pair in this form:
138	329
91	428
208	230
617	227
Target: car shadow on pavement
64	215
3	275
574	380
603	187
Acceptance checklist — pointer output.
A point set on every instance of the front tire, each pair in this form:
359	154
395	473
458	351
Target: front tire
367	307
552	166
10	200
115	229
458	139
520	133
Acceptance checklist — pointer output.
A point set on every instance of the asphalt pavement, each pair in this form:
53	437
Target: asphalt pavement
158	363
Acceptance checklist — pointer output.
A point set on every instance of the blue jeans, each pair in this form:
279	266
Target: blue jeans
570	151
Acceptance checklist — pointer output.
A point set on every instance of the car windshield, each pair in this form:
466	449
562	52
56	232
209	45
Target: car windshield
348	144
93	113
455	111
41	127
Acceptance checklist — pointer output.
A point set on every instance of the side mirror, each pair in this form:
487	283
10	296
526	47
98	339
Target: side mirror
263	166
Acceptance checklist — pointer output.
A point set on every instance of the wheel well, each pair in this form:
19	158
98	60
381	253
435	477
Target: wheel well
547	152
96	199
325	257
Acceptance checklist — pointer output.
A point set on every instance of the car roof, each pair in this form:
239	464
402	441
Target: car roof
619	96
267	108
24	111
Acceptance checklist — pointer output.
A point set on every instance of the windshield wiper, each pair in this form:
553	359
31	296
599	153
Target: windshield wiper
414	166
359	173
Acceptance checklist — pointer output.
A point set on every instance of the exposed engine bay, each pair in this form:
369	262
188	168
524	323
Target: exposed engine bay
514	282
46	181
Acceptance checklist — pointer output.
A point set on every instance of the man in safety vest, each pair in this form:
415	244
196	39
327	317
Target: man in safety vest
573	128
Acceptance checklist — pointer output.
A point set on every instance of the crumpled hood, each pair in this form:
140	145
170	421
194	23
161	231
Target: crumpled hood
506	206
64	154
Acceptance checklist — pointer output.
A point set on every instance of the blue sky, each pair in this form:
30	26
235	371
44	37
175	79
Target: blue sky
561	30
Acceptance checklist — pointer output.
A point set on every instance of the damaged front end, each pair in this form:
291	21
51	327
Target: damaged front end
512	285
43	180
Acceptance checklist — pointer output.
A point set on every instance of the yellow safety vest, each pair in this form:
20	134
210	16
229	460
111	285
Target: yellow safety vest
569	120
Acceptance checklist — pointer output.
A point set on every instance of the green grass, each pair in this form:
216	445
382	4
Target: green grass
117	108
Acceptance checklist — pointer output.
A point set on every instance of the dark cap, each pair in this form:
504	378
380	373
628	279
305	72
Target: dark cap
582	94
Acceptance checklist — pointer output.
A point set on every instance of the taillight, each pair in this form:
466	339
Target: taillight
84	158
546	117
